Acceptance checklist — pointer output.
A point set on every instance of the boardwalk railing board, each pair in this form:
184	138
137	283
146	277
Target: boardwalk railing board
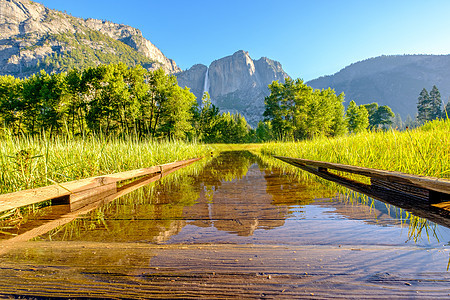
79	189
415	203
84	206
432	189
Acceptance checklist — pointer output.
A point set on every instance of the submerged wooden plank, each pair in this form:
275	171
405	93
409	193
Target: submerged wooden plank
33	196
81	207
424	182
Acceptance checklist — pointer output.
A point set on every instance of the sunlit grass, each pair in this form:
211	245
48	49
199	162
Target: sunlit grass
422	151
29	162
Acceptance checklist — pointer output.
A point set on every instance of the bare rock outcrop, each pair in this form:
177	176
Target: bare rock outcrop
31	32
236	83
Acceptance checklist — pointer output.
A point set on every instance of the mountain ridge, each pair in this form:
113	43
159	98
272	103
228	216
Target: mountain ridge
35	37
393	80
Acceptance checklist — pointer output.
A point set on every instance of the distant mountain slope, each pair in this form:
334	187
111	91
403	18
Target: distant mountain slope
236	83
34	37
395	80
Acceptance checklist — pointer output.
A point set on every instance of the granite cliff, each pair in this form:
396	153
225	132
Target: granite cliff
34	37
236	83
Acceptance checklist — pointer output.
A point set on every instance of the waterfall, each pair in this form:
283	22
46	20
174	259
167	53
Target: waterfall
206	82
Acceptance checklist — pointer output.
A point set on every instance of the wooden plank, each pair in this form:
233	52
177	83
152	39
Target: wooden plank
83	206
430	183
413	203
32	196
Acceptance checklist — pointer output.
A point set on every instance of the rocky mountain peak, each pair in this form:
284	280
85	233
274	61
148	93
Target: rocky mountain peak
30	33
236	83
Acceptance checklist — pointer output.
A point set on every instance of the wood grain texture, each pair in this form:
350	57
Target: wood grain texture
430	183
33	196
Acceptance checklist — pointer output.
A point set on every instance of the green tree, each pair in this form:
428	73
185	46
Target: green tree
296	111
424	106
357	117
264	131
10	103
446	111
208	118
435	103
379	116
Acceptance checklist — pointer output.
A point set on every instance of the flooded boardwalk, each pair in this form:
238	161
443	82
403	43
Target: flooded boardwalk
232	227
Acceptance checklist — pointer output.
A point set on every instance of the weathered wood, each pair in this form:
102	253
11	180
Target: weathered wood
395	180
71	188
413	203
84	206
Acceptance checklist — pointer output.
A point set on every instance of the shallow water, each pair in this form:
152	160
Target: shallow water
233	222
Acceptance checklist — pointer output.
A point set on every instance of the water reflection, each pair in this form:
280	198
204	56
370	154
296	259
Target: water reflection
235	193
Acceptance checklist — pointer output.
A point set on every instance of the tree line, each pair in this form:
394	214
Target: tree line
118	100
429	106
296	111
113	100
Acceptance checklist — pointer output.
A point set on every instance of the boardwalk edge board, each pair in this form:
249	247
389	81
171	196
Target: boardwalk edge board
430	189
79	190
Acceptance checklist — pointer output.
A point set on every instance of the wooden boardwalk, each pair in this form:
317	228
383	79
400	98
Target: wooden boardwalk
426	197
76	192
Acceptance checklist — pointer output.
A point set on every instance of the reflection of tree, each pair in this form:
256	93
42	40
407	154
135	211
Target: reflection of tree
150	214
233	193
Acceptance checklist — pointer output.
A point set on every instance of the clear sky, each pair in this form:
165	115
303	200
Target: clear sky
309	38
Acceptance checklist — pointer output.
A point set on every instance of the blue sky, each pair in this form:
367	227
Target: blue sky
309	38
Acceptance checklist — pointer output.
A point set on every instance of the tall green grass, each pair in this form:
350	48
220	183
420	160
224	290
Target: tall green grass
422	151
30	162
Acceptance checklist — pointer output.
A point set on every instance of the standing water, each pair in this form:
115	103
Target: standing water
234	227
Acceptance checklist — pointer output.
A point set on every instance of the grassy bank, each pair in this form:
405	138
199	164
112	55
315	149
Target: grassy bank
29	162
422	151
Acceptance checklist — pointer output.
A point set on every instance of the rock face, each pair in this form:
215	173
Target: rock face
32	34
395	80
236	83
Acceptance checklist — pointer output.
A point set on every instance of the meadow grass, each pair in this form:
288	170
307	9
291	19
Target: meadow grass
422	151
29	162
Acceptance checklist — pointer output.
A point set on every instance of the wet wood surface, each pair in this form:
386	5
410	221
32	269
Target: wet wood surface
260	235
221	271
390	178
80	189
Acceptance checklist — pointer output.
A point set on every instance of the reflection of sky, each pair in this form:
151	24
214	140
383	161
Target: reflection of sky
317	225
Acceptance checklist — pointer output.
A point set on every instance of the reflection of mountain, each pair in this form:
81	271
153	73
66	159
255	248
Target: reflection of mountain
233	193
238	207
286	189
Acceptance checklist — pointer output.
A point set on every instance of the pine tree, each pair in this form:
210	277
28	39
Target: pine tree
424	106
446	111
435	103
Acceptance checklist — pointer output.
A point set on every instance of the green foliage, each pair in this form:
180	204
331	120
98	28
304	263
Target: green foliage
109	99
429	105
421	151
424	106
357	117
379	116
296	111
435	103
